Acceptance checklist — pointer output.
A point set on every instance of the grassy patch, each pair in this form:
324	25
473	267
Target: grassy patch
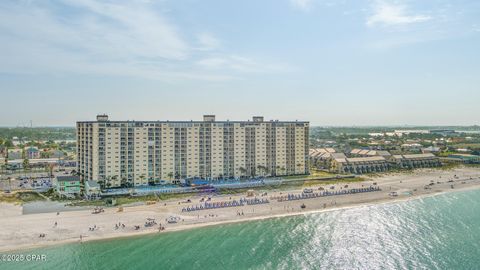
472	165
20	197
9	198
314	173
448	166
310	183
290	185
123	200
29	196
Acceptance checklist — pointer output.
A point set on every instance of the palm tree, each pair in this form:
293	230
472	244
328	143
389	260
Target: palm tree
170	175
50	169
151	181
259	169
101	183
123	182
26	164
299	165
142	177
106	182
262	170
243	171
177	177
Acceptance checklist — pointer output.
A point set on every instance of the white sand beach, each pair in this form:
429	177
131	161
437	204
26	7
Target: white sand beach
19	231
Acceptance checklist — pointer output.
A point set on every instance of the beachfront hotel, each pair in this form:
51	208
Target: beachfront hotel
142	152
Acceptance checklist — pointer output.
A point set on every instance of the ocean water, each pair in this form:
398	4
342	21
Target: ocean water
440	232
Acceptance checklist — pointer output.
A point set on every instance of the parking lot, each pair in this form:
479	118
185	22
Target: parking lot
40	181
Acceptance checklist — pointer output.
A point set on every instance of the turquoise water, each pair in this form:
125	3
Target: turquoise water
441	232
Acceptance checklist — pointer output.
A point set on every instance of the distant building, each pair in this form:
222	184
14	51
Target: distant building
321	157
412	146
368	153
465	158
415	161
68	186
32	152
369	161
431	149
360	165
411	131
443	132
39	162
15	153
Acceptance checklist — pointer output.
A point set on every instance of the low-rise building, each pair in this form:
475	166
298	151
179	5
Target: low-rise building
321	157
68	186
465	158
92	190
15	153
443	132
411	146
413	161
379	162
32	152
431	149
369	153
360	165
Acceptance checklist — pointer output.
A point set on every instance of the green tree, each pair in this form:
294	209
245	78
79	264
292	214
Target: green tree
113	179
26	164
243	171
102	184
123	182
278	168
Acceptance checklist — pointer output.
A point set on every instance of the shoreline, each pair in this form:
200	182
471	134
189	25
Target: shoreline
9	244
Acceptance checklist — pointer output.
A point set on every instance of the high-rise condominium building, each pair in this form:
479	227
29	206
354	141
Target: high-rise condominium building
142	152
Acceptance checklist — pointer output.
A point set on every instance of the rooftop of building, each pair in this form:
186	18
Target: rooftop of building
320	151
206	119
361	159
464	155
368	152
68	178
92	184
414	156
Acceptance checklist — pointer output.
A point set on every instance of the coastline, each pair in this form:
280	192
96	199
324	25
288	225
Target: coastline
226	215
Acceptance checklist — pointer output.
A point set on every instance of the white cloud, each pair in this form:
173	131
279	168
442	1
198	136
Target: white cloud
127	28
114	38
240	64
302	4
208	41
388	13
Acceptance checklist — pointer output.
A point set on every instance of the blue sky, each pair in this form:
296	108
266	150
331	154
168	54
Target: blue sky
358	62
